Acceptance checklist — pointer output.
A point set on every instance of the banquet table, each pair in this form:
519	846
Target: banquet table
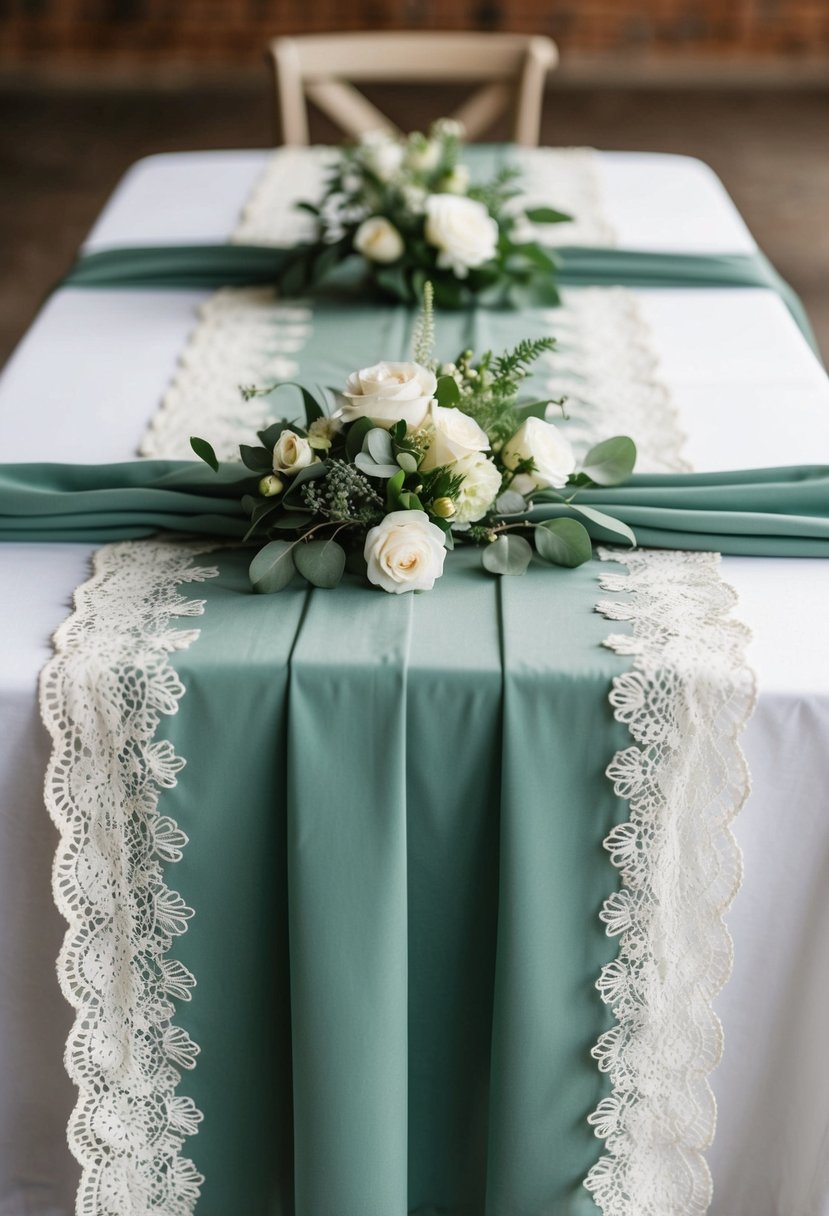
749	393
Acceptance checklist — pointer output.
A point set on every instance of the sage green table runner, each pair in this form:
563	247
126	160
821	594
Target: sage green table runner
762	512
395	860
212	266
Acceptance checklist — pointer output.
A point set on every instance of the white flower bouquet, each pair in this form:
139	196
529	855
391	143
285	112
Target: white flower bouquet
412	458
405	212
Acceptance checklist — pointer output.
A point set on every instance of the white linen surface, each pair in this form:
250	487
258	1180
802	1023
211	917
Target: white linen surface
82	386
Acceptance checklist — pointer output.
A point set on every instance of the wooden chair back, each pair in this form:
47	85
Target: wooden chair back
321	67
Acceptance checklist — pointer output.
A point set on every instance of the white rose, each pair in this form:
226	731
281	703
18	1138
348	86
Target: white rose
462	229
389	392
457	182
423	154
378	240
481	483
405	552
382	154
447	128
454	435
292	453
549	450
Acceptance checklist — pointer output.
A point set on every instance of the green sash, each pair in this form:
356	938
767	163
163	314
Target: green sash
759	512
207	267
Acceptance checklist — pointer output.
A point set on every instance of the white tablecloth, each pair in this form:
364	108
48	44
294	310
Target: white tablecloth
82	386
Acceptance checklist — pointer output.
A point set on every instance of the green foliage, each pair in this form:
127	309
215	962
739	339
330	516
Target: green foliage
272	568
509	554
563	542
204	451
321	562
610	462
341	493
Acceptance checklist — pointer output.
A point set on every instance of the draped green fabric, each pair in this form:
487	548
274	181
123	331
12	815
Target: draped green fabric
213	266
762	512
395	860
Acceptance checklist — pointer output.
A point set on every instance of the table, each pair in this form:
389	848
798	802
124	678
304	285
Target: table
749	393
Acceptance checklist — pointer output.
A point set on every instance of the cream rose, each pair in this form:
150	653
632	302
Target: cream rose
378	240
382	154
456	182
405	552
549	450
389	392
292	453
462	229
479	489
454	435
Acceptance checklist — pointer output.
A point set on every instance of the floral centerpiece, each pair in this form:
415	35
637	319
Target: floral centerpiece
412	458
406	210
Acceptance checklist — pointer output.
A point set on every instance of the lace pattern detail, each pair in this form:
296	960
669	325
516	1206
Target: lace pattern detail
102	696
244	335
606	367
567	179
685	701
290	176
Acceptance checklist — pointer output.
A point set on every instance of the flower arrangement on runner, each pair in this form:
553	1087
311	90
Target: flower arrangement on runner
412	458
405	209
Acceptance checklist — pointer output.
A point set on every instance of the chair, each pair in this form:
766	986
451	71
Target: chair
318	67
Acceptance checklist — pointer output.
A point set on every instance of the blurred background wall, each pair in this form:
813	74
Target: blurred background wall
89	86
782	38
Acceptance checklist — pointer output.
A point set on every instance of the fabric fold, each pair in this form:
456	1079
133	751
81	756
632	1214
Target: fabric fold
229	265
348	915
780	512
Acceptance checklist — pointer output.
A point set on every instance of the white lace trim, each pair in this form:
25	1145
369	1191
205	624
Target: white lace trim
102	696
685	702
567	179
290	176
243	336
564	178
606	366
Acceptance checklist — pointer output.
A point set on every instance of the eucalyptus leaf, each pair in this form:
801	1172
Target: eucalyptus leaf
510	503
260	460
321	562
533	409
378	445
610	462
313	410
407	462
447	391
290	521
602	520
546	215
507	555
564	542
264	509
204	451
393	488
356	435
272	568
371	469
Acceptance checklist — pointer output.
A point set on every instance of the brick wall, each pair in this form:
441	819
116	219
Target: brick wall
214	33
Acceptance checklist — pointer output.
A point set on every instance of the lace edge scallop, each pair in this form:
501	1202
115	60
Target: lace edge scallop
102	696
685	701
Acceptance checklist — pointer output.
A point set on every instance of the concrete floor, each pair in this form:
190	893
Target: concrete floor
62	152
